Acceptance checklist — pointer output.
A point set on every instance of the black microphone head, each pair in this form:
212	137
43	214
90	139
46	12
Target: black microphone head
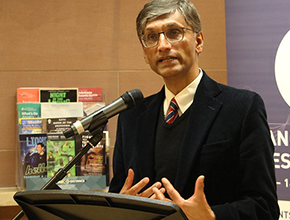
132	98
68	133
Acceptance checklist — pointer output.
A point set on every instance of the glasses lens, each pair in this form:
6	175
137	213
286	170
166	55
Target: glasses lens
150	40
174	34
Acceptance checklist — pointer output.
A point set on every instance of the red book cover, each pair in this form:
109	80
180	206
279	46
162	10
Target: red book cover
27	95
90	94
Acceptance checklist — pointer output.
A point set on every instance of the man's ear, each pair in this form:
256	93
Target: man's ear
145	55
199	42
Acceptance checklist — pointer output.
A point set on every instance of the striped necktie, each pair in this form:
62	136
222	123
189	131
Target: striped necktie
172	112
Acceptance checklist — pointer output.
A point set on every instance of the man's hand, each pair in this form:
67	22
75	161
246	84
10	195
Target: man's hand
196	207
128	189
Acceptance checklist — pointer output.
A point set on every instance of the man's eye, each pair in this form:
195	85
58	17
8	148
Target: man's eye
151	37
172	33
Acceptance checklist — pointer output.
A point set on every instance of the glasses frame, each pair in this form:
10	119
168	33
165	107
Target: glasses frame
164	33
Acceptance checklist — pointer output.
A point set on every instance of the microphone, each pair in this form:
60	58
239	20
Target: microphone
128	100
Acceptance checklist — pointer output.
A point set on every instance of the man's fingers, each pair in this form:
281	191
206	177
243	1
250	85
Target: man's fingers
154	196
134	190
159	194
148	192
128	182
171	191
199	187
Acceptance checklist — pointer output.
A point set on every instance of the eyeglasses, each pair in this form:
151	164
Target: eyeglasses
172	35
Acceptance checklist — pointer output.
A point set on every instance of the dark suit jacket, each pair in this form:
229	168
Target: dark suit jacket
227	140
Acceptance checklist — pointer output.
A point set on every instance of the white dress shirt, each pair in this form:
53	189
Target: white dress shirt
184	98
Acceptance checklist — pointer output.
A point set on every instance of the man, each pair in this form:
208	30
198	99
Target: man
215	158
35	161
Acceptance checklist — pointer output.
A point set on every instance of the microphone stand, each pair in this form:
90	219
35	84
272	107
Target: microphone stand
97	135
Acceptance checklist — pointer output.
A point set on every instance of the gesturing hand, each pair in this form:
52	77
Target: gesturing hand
128	189
196	207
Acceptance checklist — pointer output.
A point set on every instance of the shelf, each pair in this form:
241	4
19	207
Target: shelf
6	195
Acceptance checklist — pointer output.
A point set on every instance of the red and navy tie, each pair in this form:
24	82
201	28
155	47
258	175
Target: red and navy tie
172	112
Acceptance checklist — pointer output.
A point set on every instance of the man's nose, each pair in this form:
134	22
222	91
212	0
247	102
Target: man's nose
163	42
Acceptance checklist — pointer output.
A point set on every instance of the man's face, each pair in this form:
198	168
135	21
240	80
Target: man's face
39	149
173	60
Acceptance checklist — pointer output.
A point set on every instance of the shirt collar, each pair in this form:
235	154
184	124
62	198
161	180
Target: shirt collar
184	98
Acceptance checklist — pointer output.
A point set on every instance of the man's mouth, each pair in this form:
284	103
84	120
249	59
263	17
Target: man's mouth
167	59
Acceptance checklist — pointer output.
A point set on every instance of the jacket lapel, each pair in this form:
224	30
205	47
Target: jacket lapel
147	124
202	113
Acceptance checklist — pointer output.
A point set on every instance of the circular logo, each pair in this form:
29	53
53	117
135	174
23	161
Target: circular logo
282	68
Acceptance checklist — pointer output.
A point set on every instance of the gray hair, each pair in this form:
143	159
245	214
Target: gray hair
156	8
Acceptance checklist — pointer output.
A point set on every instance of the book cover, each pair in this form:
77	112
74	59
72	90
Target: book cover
90	94
58	125
59	152
93	162
33	155
29	121
28	110
62	110
30	126
59	95
27	95
92	99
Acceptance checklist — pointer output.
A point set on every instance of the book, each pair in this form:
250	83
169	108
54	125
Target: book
58	125
29	121
60	151
90	94
28	110
92	99
27	95
62	110
33	155
93	162
30	126
59	95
